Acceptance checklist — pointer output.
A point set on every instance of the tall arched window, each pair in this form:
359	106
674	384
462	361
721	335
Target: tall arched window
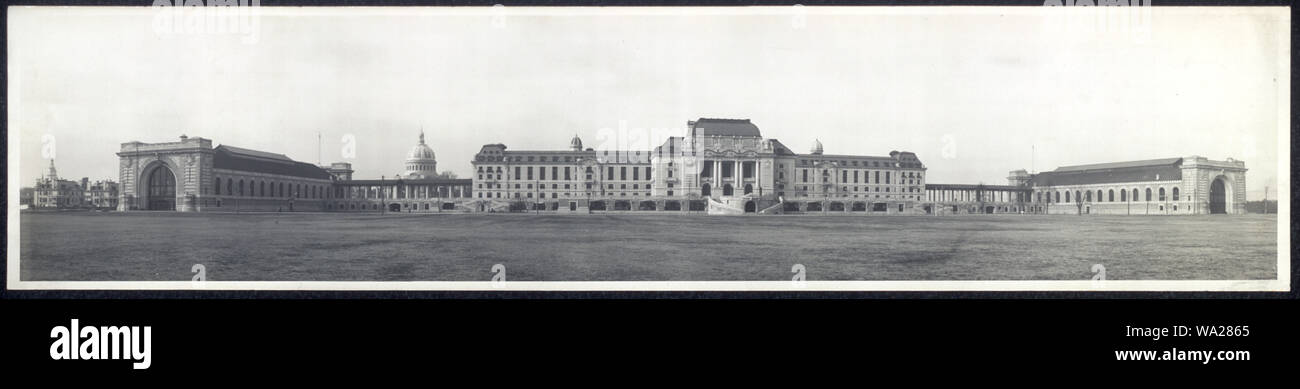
1089	196
241	187
1162	194
1148	194
1099	195
1058	196
1067	196
1135	194
1175	193
229	186
1110	195
217	187
1123	195
261	188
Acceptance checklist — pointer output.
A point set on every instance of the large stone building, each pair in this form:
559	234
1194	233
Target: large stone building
53	192
192	175
1170	186
722	165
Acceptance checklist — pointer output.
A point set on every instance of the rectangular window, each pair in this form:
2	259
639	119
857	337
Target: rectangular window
636	174
541	171
555	172
622	173
566	173
886	177
611	173
530	172
647	173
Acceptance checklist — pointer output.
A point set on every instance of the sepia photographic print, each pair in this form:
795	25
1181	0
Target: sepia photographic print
243	147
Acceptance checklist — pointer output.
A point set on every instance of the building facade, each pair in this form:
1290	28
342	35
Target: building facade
52	192
720	164
193	176
1169	186
101	194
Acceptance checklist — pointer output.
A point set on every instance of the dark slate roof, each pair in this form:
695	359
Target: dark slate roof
1118	165
256	154
236	158
1105	173
724	127
779	148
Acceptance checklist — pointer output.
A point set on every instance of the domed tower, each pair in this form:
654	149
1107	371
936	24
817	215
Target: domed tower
576	143
420	162
817	147
53	174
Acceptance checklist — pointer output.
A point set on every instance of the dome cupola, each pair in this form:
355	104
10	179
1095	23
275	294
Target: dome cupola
576	143
420	161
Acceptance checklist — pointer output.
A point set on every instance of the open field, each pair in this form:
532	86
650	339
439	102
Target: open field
142	246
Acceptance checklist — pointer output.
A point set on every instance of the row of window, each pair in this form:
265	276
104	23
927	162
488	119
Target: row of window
555	195
1107	196
806	162
637	173
912	178
255	188
407	191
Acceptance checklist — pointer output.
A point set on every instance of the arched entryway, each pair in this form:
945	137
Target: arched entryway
161	187
750	207
749	188
727	190
1218	196
706	191
394	207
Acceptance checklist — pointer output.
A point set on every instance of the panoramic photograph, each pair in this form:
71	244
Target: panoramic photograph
761	148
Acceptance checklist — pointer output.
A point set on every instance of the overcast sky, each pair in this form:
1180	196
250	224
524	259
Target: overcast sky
971	91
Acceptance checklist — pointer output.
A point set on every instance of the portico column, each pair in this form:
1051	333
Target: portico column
736	177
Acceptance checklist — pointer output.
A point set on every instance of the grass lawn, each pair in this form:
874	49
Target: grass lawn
139	246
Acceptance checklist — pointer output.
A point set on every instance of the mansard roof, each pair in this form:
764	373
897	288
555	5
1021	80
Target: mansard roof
241	159
1165	169
724	127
